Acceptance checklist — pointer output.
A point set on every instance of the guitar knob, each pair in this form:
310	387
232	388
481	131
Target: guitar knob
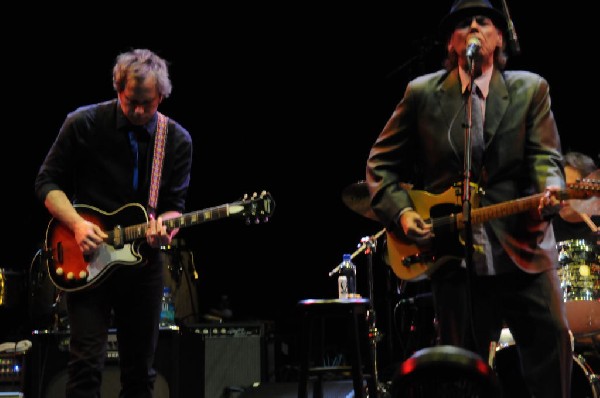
70	276
82	275
59	271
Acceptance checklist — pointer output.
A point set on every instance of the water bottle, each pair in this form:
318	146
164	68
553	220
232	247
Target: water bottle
347	278
167	312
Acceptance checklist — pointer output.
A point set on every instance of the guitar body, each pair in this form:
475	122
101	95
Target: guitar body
70	270
126	227
413	262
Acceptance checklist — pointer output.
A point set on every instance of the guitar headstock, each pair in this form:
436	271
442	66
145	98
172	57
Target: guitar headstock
584	188
257	208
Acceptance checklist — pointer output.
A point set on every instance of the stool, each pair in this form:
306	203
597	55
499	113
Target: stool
355	311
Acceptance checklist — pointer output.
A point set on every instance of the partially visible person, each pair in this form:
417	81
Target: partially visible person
102	158
571	223
512	280
578	240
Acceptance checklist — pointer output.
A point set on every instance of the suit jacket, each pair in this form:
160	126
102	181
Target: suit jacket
423	144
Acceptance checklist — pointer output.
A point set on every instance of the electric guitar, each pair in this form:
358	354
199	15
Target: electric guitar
70	270
413	262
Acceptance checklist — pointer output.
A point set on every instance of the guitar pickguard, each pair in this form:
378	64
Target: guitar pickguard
107	255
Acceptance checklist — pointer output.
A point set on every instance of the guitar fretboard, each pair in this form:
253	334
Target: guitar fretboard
138	231
508	208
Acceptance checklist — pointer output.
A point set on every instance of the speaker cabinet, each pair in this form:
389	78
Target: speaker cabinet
46	372
219	359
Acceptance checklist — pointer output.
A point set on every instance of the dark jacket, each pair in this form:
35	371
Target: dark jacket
423	144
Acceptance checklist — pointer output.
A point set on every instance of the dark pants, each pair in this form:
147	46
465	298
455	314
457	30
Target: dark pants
133	293
471	313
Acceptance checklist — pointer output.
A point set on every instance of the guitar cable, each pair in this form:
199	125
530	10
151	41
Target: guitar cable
448	133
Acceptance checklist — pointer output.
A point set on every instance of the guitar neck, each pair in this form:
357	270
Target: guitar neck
505	209
138	231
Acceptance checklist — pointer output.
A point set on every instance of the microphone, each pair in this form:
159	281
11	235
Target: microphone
473	47
513	40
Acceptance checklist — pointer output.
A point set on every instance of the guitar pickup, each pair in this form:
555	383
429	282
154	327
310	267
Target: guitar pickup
419	258
59	252
118	240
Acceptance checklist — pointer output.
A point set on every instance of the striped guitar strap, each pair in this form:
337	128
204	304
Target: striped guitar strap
157	162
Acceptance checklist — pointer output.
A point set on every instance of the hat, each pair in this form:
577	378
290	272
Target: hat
466	8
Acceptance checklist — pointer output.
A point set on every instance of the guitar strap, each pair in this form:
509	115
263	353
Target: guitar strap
157	162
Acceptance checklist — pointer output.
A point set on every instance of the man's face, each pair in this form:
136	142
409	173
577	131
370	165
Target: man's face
484	30
140	100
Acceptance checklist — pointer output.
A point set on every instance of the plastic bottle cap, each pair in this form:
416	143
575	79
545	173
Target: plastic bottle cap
347	257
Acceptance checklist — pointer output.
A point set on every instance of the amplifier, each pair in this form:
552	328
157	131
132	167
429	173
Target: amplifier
12	368
46	373
219	359
223	330
61	339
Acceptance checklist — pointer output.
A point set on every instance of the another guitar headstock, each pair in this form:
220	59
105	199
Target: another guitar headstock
258	207
584	188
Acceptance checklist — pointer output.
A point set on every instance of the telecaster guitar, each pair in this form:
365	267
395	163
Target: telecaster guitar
413	262
70	270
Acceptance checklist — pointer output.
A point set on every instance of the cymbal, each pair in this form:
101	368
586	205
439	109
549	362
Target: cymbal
356	197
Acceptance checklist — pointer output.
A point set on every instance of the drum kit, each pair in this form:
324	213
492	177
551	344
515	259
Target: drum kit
579	275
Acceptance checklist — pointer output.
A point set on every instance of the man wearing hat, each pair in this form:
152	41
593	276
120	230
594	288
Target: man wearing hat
504	272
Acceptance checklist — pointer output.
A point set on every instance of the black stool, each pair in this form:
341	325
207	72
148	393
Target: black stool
355	312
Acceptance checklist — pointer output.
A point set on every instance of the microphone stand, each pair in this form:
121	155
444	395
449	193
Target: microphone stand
466	188
466	193
368	244
513	40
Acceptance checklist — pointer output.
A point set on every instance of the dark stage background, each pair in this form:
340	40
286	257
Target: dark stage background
285	99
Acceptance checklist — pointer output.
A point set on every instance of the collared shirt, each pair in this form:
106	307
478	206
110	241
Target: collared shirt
139	136
91	161
483	259
482	82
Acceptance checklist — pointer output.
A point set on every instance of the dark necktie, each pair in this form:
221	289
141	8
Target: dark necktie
477	143
134	150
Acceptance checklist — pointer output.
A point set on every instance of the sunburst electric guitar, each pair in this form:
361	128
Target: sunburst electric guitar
413	262
70	270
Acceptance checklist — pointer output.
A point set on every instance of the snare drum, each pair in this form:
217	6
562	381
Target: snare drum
579	275
576	251
584	382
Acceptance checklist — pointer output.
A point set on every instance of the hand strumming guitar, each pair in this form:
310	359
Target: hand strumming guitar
414	227
88	236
